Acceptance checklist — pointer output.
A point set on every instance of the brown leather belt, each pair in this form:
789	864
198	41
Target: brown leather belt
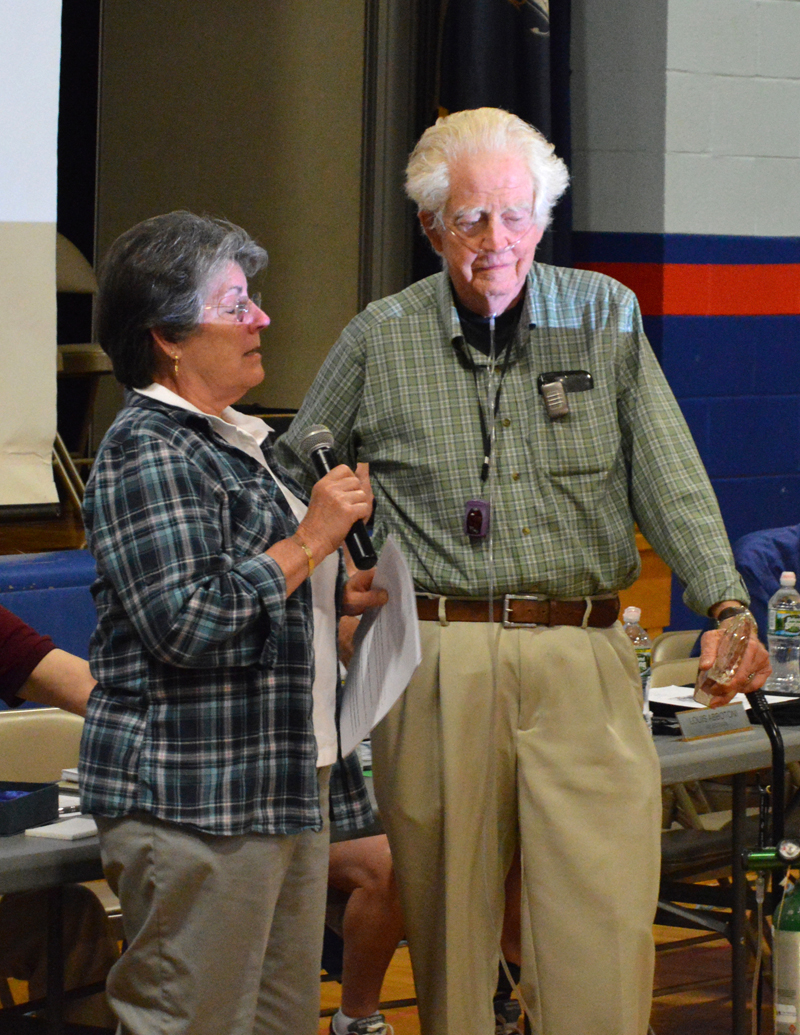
515	610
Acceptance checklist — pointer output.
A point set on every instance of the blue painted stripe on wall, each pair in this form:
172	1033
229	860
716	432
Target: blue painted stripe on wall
744	437
748	504
684	248
654	329
597	247
729	355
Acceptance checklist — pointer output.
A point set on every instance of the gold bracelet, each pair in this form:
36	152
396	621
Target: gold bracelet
306	550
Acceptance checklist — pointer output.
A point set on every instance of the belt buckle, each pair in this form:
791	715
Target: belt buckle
508	622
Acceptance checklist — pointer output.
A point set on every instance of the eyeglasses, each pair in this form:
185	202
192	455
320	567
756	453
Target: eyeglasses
472	230
237	309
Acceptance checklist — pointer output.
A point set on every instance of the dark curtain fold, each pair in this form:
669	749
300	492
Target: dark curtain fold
511	54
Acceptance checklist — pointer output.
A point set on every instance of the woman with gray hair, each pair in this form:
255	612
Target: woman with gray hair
210	735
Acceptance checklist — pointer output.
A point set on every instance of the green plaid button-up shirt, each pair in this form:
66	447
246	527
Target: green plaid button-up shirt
564	493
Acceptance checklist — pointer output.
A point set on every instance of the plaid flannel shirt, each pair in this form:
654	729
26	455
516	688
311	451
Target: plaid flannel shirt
565	493
203	710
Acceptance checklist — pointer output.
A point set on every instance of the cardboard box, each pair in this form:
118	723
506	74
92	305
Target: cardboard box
38	805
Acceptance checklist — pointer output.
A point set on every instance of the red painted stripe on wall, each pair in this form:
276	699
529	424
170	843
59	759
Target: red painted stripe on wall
706	290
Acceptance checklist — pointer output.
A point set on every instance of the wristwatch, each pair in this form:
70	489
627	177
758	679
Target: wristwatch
729	612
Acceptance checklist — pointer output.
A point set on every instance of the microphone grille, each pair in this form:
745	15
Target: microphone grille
315	436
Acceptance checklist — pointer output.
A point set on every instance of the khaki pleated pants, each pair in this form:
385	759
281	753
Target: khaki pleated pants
546	748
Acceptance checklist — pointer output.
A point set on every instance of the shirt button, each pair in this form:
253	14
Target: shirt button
515	476
506	422
526	531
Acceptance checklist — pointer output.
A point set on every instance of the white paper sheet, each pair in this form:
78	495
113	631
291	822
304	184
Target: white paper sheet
681	697
387	651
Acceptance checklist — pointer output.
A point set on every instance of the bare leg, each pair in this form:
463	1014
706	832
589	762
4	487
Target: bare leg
373	924
506	1009
510	940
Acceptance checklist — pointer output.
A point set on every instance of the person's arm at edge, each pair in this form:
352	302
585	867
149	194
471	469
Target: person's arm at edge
672	498
34	669
642	372
60	680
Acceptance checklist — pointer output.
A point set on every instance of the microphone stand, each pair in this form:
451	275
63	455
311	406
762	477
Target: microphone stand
763	712
767	858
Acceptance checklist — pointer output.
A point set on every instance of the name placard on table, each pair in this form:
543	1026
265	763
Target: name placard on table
713	722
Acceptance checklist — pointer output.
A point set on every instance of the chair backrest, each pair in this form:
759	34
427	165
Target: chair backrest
74	273
682	672
37	743
670	646
760	558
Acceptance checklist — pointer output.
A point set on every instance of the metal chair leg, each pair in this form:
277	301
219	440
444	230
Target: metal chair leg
68	472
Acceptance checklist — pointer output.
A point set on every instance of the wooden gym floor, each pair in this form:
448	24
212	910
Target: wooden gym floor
691	989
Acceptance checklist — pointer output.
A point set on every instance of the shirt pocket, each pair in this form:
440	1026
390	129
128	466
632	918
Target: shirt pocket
585	442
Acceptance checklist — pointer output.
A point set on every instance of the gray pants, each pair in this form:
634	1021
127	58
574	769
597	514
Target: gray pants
224	933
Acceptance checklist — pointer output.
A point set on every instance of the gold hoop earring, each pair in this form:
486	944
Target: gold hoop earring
175	361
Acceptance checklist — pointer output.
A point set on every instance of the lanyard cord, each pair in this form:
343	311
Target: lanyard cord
486	435
493	630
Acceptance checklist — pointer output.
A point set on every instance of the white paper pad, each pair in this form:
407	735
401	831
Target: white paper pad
66	829
386	651
681	697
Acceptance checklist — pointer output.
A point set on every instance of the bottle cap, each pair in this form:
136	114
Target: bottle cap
788	578
631	614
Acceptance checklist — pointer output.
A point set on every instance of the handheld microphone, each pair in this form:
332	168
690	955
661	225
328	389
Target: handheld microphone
317	446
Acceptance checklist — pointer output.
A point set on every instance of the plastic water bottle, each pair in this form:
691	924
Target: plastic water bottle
783	637
643	646
786	965
736	634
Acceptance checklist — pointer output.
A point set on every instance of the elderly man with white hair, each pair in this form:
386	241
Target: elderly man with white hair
517	426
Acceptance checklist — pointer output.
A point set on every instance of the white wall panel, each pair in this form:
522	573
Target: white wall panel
753	116
733	117
30	52
779	39
705	194
30	47
776	197
689	112
713	36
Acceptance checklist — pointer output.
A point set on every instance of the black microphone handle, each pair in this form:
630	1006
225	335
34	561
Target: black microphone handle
357	539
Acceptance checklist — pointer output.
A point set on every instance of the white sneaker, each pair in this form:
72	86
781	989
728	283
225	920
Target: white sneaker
507	1015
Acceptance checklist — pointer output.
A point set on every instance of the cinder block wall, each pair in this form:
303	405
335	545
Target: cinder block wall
687	188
